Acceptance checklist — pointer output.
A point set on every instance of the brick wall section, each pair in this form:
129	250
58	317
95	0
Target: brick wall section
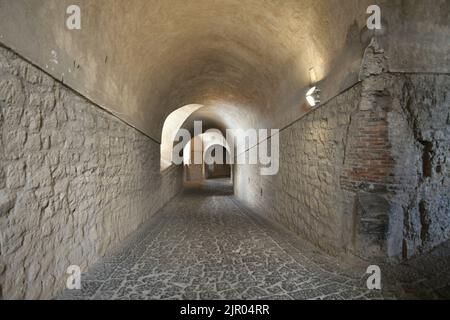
74	181
368	159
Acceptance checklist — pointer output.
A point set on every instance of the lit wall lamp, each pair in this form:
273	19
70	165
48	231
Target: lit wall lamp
313	96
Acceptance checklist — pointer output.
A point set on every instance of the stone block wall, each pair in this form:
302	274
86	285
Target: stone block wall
307	195
368	172
74	181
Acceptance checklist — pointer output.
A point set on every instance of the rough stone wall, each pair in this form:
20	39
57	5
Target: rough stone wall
306	195
415	199
368	172
74	181
419	123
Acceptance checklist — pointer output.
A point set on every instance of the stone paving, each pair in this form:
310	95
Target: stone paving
205	245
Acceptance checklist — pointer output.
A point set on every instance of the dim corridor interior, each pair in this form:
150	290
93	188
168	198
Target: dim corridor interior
98	127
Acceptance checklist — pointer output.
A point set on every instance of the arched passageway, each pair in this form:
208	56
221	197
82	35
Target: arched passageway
338	134
207	156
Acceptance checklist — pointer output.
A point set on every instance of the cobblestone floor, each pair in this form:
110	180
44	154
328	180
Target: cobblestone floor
205	245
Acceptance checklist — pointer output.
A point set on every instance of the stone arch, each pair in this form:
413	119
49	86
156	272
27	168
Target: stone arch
172	124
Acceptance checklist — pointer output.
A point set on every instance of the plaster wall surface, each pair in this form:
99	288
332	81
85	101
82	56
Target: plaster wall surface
249	62
74	181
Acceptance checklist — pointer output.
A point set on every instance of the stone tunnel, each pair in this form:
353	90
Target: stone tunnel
91	113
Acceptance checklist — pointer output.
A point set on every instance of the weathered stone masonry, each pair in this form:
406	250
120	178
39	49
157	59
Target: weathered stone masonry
74	181
419	123
368	172
306	195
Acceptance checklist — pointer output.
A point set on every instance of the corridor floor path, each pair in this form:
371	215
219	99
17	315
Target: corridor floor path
205	245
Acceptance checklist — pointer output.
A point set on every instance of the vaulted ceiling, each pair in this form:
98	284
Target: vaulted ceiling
249	62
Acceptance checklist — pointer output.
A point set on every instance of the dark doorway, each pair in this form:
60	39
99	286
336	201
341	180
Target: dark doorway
217	170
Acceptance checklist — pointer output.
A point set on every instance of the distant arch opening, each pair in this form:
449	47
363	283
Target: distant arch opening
207	156
172	125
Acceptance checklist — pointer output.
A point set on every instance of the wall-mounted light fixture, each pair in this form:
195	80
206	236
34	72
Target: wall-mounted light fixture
313	96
